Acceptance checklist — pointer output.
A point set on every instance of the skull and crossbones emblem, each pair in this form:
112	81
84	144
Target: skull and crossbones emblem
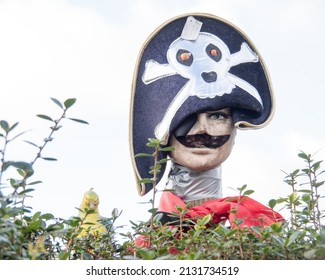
205	62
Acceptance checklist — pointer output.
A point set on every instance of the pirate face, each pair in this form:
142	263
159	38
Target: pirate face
195	64
207	144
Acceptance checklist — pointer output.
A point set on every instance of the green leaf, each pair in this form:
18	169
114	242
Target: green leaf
34	183
36	225
294	173
56	128
49	158
276	227
45	117
26	191
306	198
145	181
241	189
143	155
157	167
316	165
4	125
31	143
57	102
19	134
69	102
206	219
248	192
305	191
36	215
147	254
12	127
21	172
256	229
179	208
153	210
281	200
278	240
64	255
54	227
167	149
47	216
152	144
322	236
306	170
303	155
164	160
154	140
116	213
318	184
272	203
292	238
78	120
27	167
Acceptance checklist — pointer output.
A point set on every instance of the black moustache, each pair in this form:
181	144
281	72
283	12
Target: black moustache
203	140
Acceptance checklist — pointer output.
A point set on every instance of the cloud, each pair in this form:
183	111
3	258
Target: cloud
52	49
294	142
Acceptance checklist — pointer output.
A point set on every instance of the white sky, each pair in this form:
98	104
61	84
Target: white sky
87	50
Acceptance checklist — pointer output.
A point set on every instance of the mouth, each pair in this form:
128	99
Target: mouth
203	141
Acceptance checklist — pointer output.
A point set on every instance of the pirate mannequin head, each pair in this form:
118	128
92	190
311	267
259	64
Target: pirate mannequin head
198	78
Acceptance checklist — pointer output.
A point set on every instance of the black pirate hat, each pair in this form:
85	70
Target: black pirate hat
192	64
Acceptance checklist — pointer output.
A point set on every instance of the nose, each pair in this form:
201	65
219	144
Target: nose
200	126
209	77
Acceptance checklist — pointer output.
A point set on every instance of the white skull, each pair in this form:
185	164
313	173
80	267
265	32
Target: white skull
210	62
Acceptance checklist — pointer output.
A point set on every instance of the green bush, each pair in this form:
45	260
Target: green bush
42	236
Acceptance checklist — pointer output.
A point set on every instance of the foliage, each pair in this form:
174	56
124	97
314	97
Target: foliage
27	235
154	170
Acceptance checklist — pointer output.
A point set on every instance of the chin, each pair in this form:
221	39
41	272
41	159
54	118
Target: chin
204	166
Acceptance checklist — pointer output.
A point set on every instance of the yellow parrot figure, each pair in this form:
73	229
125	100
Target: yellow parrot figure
91	221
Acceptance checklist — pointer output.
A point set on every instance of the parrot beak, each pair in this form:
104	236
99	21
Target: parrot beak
92	205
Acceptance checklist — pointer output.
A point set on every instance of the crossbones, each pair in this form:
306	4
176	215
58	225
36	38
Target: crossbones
205	62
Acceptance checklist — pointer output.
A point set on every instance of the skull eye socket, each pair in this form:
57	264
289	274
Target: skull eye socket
213	52
184	57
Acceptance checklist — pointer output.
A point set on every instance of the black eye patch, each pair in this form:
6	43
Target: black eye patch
184	57
185	126
213	52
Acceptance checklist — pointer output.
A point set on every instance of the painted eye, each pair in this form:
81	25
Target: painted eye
184	57
219	116
213	52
